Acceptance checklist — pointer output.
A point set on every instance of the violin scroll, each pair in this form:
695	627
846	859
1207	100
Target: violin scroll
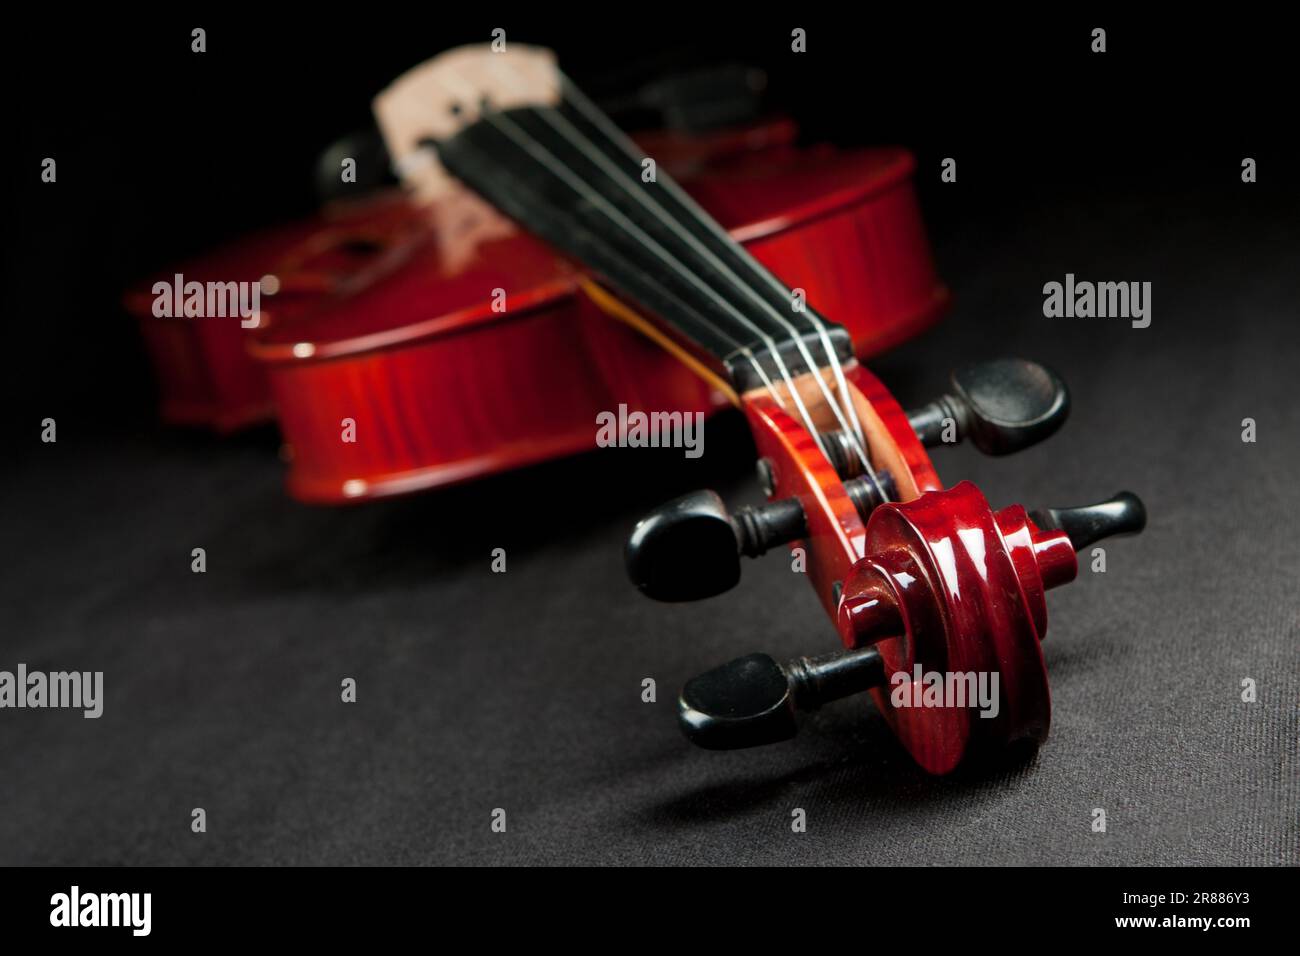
919	580
947	586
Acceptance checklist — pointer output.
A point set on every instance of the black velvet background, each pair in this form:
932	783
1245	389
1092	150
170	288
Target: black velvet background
522	690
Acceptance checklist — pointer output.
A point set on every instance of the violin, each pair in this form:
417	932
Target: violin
385	283
478	337
489	350
918	578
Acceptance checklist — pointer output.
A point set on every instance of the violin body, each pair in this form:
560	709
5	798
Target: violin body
478	356
389	315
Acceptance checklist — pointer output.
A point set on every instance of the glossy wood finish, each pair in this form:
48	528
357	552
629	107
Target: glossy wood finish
943	562
443	388
935	579
836	531
462	347
205	374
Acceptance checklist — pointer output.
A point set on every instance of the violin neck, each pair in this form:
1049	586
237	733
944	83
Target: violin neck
568	175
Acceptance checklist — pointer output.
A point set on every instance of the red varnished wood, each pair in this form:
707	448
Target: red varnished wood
836	532
205	373
967	585
894	445
443	388
844	226
822	216
799	470
969	616
411	351
415	430
935	579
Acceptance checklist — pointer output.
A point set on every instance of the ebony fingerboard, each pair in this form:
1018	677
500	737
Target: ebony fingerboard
565	178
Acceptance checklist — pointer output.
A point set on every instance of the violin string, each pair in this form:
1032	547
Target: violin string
522	139
591	151
579	100
541	154
467	93
594	115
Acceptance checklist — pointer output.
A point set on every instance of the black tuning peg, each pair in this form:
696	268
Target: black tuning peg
1122	514
690	548
753	700
1001	406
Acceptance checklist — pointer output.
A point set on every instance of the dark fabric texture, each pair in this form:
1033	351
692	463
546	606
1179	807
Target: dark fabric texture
522	690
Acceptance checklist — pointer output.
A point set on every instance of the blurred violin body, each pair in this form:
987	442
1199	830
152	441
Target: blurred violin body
487	350
206	376
458	345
